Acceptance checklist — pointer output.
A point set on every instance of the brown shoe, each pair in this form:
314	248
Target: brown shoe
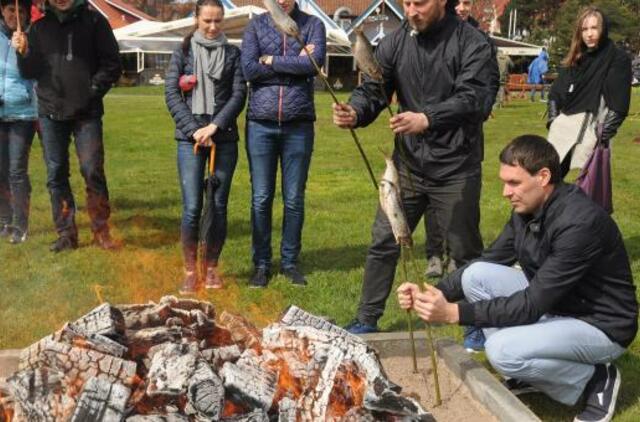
212	279
103	239
189	283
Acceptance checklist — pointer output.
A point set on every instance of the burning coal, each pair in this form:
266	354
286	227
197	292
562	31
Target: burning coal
170	361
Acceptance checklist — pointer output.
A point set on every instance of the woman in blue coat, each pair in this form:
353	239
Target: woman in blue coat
205	92
17	126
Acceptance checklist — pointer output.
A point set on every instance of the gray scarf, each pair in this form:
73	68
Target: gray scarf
208	63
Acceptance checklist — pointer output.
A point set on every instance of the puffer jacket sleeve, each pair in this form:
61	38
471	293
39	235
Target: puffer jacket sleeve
301	65
108	55
253	70
367	99
180	112
470	86
232	108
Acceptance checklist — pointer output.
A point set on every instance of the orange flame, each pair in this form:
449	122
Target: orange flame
348	391
288	385
231	408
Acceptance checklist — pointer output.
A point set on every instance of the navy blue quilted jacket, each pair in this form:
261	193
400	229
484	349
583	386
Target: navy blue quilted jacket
231	92
282	92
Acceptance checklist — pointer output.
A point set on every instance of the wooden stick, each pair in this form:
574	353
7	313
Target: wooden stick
335	100
403	258
19	25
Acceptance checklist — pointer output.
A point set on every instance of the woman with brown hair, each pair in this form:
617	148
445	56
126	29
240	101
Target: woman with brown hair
205	92
591	94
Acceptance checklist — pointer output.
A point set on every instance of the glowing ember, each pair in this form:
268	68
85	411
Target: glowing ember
120	363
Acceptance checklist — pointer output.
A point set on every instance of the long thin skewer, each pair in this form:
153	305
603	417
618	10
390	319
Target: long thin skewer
335	100
403	258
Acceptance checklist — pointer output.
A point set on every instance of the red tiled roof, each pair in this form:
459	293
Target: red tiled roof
119	13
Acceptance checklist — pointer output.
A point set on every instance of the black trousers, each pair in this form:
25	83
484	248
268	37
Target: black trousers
458	205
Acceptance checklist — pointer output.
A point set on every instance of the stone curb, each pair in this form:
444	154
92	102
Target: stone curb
483	385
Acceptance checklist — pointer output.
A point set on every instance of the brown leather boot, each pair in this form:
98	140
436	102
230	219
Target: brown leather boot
213	279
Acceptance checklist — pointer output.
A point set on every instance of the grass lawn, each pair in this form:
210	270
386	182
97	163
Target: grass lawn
39	291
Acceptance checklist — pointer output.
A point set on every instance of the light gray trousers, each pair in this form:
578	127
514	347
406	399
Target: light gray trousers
556	355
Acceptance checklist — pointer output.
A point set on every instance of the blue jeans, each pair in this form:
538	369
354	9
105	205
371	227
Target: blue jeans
292	144
191	170
533	91
87	134
15	187
556	354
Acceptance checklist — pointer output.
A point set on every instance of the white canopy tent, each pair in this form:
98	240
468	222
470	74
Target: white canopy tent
145	38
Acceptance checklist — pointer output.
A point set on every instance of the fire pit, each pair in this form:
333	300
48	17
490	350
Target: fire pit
171	361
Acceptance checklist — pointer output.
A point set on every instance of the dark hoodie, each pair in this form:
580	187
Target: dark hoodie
75	59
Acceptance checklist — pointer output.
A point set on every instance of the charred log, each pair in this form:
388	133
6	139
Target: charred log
205	393
101	401
105	319
250	384
242	331
171	368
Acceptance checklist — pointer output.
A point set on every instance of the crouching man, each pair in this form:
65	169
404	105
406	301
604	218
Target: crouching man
558	323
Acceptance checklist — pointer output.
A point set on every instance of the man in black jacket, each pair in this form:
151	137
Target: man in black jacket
557	323
437	66
435	232
74	56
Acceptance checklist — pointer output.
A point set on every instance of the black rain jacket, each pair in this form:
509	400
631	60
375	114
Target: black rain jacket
444	73
574	258
75	63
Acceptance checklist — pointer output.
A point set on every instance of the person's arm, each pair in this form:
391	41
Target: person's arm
174	98
30	64
501	251
301	65
368	99
108	55
470	87
253	70
234	105
575	248
617	89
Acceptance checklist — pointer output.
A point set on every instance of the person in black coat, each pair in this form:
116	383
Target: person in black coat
595	79
205	92
438	66
74	57
556	323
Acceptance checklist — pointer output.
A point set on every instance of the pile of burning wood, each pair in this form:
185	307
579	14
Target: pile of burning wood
171	361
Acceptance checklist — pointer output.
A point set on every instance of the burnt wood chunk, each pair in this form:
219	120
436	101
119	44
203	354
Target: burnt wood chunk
40	395
255	416
295	316
101	401
79	364
287	410
105	319
145	316
391	402
250	384
205	393
190	305
242	331
358	414
171	369
219	355
171	417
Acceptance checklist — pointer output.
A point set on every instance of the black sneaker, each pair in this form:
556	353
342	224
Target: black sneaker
18	236
601	394
5	230
295	276
64	243
518	388
259	279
